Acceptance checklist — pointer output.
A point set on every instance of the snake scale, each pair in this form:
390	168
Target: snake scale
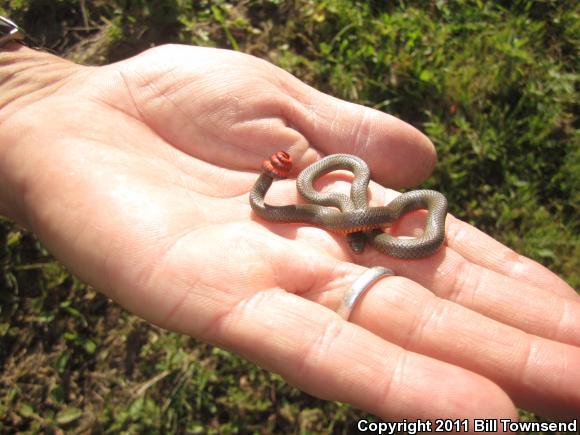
351	215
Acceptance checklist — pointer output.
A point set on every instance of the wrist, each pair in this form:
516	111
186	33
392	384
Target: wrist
27	76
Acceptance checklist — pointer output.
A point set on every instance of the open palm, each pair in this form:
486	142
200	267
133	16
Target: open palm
136	176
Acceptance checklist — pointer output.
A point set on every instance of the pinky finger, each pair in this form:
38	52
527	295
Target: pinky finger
315	350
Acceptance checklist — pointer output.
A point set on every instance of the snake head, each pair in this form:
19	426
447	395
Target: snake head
356	241
279	165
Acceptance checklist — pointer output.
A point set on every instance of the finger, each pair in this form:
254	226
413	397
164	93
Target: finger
530	308
321	354
478	248
510	300
248	114
481	249
526	307
534	371
245	303
245	117
398	154
534	310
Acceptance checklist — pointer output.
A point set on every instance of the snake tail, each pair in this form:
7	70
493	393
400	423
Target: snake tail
279	165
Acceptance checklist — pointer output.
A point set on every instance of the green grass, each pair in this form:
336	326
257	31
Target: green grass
492	83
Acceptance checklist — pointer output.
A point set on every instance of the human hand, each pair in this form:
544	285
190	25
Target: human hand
136	176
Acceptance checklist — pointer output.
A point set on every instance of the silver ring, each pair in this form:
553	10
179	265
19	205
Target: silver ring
358	287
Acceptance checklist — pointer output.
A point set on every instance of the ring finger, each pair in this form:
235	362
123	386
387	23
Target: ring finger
531	369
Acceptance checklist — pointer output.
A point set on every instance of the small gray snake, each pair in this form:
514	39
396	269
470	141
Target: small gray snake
355	218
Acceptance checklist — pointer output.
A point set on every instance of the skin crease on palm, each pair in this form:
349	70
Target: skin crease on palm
136	176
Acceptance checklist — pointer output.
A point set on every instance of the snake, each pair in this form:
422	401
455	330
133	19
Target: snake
351	215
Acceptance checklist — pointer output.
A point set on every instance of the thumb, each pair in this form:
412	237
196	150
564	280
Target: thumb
398	154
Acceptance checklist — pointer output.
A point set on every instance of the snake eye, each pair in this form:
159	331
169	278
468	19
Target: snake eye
279	164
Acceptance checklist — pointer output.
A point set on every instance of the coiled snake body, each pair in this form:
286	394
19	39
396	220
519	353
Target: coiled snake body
354	217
